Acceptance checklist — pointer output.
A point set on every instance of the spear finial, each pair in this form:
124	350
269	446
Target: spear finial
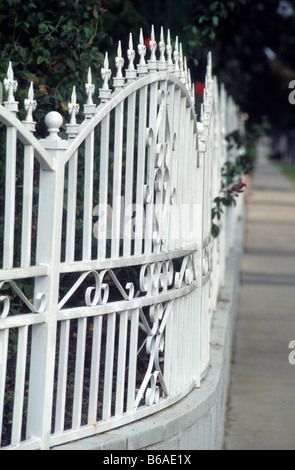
142	67
131	53
169	52
131	73
119	62
141	48
162	46
30	104
105	92
73	106
89	87
10	86
106	73
176	56
153	45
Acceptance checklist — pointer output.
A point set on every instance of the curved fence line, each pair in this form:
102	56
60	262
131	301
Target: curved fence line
109	274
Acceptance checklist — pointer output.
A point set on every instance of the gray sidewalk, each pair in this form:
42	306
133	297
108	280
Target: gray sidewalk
261	408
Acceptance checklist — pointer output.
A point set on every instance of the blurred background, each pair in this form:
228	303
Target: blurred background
53	42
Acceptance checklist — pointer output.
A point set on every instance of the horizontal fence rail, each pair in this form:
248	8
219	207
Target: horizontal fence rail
109	275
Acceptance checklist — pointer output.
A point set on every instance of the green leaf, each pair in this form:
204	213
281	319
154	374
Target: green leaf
239	169
213	7
43	28
226	202
96	14
215	230
215	21
205	31
40	59
212	35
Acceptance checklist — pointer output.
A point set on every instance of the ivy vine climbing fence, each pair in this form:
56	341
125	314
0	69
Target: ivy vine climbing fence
109	276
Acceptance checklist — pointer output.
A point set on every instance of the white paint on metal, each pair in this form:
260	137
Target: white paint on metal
131	187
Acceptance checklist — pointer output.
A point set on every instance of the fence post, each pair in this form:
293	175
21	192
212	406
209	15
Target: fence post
48	253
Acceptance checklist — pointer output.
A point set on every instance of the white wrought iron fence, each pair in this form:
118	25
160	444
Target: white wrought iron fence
109	275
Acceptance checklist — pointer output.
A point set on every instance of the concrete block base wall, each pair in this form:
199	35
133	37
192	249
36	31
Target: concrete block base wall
197	421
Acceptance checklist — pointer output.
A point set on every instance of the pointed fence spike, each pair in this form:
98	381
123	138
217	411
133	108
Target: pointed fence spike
152	62
119	80
10	74
130	41
119	50
142	67
209	65
106	73
181	64
176	56
74	96
141	42
73	107
10	86
119	61
30	104
193	93
189	80
31	92
131	73
185	72
89	77
162	46
153	33
162	65
169	52
106	61
89	107
89	88
131	53
153	45
141	48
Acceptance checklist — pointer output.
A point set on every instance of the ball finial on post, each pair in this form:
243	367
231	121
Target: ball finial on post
53	121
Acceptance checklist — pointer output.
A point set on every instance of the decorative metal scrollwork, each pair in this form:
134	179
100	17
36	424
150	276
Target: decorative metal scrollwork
6	306
99	293
152	394
187	272
154	280
158	315
156	277
160	142
40	300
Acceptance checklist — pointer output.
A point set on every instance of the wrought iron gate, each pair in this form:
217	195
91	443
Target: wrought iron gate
109	275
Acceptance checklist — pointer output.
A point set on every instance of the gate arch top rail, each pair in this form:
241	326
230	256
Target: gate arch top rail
105	108
113	318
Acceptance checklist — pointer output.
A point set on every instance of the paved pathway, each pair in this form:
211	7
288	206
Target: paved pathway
261	411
